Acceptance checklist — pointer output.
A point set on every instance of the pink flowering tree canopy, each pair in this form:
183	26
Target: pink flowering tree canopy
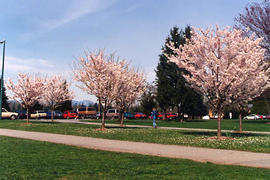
225	66
131	87
56	91
256	19
99	76
27	90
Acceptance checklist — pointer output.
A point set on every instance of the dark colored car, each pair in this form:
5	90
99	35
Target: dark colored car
139	115
22	114
58	114
129	115
69	114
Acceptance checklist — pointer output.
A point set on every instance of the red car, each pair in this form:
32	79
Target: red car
69	114
160	116
139	115
171	115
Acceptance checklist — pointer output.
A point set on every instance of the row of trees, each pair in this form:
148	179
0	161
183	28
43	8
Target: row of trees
31	89
228	67
110	79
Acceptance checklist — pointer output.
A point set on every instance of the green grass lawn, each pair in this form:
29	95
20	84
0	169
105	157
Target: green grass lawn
26	159
245	142
248	125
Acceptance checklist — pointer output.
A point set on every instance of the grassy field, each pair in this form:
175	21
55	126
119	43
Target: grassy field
26	159
248	125
245	142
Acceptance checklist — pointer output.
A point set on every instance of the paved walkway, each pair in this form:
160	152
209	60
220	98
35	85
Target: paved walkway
228	157
144	126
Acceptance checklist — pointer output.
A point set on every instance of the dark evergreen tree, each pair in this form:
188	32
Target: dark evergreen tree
260	107
172	89
37	106
147	101
66	105
5	103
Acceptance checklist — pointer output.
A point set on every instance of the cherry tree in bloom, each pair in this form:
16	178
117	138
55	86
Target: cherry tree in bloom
256	19
224	66
27	90
247	91
99	75
55	91
132	85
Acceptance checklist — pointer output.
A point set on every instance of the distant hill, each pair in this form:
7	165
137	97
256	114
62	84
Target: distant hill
83	102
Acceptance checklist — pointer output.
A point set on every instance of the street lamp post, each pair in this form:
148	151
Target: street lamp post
2	77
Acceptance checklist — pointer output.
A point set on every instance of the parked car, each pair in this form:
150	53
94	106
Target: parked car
267	116
22	114
69	114
99	115
58	114
252	117
171	115
206	117
262	116
38	114
129	115
87	112
160	116
140	115
214	116
10	115
112	114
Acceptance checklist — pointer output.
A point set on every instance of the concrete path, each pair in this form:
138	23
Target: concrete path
228	157
144	126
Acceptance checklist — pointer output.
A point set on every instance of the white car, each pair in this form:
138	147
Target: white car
206	117
252	117
10	115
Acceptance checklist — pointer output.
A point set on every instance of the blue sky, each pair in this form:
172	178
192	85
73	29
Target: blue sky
47	35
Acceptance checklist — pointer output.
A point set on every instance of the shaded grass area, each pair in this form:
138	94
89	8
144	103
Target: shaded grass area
226	124
245	142
26	159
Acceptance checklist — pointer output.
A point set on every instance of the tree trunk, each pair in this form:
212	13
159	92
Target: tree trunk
219	124
122	119
52	115
27	115
182	118
240	122
103	121
164	118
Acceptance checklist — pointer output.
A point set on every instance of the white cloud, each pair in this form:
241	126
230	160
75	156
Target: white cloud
70	11
15	64
76	10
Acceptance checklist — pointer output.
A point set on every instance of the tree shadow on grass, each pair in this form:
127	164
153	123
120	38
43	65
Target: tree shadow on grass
124	127
256	121
43	122
197	120
234	135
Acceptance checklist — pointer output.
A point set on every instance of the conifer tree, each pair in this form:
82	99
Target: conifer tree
5	100
171	85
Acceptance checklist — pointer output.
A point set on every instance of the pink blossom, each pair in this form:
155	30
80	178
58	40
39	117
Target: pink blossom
225	66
